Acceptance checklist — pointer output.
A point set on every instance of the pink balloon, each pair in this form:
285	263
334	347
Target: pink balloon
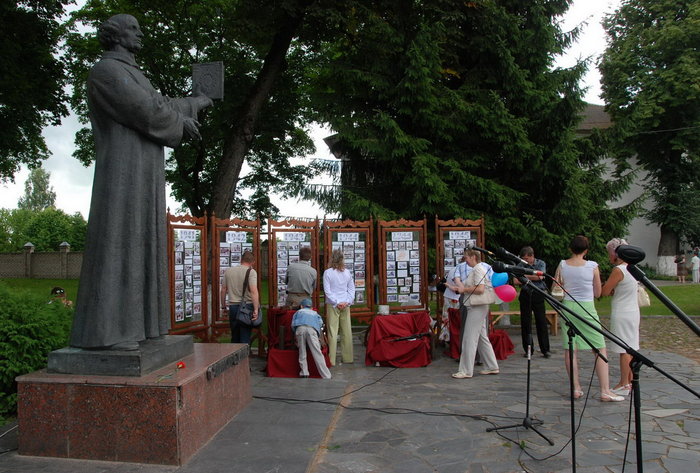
506	292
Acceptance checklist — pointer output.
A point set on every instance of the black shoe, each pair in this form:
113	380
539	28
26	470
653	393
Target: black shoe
546	355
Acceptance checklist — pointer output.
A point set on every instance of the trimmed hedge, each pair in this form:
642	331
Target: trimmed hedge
30	328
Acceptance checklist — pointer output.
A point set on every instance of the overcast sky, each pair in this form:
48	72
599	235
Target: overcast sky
72	182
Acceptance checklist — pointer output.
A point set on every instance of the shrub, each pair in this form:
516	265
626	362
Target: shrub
30	328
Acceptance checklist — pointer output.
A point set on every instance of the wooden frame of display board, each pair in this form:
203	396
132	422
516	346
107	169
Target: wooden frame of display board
282	252
187	275
230	238
355	238
395	256
452	237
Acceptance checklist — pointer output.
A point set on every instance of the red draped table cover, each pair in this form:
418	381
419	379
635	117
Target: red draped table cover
284	362
502	344
383	348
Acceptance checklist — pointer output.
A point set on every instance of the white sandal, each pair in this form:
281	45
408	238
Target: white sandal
611	397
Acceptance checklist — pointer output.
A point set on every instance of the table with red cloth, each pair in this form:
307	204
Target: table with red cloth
502	344
283	362
383	348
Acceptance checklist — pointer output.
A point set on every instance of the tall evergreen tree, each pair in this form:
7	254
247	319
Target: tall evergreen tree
38	193
650	73
454	108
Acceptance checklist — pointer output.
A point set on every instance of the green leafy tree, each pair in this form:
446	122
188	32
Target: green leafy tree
45	229
649	76
453	108
31	81
264	117
38	193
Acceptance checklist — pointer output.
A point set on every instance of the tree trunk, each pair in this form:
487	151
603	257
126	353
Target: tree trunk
241	136
668	247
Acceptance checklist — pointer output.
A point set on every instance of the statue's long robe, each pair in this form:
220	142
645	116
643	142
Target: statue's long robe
124	294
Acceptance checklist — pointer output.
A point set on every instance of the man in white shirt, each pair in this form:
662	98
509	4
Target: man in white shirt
695	265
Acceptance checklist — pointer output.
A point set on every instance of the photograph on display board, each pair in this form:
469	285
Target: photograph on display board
402	255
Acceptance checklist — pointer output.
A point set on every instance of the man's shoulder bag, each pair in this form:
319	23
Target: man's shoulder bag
245	311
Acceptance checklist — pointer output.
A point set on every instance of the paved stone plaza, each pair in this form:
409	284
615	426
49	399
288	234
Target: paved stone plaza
421	420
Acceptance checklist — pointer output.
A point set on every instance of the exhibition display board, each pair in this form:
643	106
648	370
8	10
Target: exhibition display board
187	268
230	239
452	238
403	264
387	259
355	240
285	239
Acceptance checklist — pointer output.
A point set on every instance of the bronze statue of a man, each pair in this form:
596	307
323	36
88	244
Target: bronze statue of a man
123	293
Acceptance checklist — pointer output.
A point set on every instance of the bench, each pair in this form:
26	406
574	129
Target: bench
552	319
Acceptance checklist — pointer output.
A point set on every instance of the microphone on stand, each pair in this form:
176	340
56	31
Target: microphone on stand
505	254
501	267
415	336
630	254
486	252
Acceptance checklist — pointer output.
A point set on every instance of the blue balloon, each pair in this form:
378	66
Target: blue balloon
499	279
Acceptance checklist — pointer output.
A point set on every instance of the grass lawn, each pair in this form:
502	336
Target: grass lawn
42	287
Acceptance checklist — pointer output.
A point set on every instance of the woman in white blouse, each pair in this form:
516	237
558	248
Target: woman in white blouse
624	316
581	281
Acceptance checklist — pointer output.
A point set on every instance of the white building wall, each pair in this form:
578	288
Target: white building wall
640	232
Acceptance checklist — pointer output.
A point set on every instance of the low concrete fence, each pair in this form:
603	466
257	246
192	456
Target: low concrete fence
62	264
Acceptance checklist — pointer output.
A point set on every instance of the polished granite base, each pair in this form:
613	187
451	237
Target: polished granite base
151	355
163	417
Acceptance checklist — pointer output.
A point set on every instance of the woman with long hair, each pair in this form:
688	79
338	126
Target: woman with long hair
339	288
581	281
624	317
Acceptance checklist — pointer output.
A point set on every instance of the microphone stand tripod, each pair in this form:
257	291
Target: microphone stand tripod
631	255
572	332
637	362
528	422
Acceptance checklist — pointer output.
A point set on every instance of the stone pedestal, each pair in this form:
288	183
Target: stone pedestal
151	355
163	417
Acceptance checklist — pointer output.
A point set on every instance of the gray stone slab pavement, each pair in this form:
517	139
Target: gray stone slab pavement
375	419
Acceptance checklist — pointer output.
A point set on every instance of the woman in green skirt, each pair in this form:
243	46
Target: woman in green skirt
581	281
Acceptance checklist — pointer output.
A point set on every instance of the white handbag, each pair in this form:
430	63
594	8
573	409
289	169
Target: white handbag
642	296
557	290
